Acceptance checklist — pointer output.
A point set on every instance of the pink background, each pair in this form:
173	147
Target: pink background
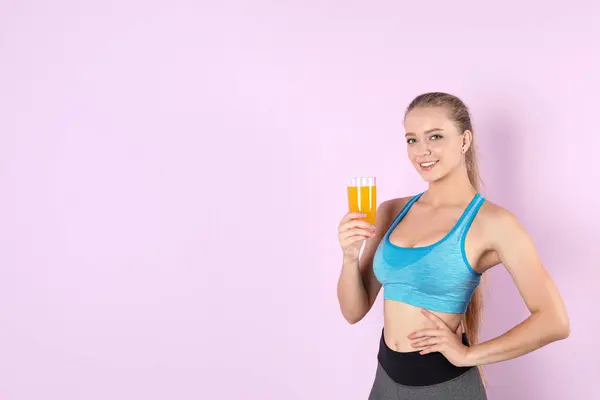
172	175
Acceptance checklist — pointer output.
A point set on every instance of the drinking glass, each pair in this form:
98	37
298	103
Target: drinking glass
362	196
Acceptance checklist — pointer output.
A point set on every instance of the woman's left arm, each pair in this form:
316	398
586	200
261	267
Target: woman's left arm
548	321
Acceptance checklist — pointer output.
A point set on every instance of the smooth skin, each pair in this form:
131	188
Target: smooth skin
495	237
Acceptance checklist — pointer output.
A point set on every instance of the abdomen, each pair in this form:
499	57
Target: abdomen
401	319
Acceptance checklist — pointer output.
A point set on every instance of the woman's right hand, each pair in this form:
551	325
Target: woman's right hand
352	232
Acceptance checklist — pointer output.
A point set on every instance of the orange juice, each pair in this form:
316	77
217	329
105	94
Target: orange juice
362	197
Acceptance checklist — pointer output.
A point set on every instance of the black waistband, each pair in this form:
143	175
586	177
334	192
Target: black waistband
414	369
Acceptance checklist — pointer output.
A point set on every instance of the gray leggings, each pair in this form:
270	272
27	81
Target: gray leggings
467	386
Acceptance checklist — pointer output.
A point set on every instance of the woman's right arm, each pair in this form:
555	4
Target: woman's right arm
357	285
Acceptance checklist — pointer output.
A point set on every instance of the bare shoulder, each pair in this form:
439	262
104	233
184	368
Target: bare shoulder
388	209
494	216
393	204
499	225
494	232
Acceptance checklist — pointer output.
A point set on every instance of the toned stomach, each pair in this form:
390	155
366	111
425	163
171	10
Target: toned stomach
401	319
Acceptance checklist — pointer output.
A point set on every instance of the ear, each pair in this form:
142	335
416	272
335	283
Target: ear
467	139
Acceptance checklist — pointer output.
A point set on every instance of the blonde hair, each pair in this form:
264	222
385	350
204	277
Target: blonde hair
459	113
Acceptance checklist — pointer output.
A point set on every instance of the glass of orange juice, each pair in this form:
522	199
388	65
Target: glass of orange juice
362	196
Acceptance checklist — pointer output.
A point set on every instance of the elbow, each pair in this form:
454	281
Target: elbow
553	326
562	327
352	313
352	318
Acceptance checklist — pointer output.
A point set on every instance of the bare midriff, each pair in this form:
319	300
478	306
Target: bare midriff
401	319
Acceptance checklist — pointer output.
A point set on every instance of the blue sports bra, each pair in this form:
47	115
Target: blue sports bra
437	277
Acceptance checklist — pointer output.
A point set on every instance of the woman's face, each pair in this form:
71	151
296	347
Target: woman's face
434	143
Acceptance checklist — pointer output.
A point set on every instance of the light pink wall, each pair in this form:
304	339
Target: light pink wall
172	175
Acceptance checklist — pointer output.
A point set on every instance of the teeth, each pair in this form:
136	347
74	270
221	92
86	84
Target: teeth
429	164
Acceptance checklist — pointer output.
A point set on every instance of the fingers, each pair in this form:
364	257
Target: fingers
427	332
437	320
355	217
352	215
428	343
350	239
356	232
356	223
420	342
430	349
425	342
353	230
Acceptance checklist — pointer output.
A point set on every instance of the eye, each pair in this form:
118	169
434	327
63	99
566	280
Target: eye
436	137
410	141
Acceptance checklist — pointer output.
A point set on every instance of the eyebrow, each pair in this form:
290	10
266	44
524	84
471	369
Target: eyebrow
426	132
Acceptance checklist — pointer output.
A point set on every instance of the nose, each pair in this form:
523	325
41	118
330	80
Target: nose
423	149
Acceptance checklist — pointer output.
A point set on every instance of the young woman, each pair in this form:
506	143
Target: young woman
429	251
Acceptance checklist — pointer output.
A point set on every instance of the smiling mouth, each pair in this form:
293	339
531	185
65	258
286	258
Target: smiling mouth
427	165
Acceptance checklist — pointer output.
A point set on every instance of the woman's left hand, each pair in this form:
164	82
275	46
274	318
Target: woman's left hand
441	339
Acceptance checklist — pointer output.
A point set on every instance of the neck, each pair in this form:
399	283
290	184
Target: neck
454	188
